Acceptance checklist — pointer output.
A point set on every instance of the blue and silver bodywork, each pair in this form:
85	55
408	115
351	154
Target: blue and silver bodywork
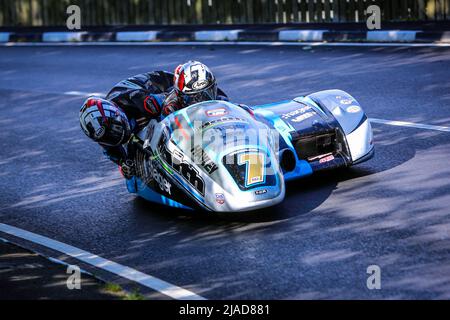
324	130
222	157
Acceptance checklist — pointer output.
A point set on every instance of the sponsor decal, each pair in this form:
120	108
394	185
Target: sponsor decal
327	159
201	84
100	132
353	109
260	192
303	117
220	198
177	162
216	112
201	157
160	180
221	120
299	111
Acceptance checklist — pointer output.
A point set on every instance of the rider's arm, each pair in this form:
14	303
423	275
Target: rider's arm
170	104
137	96
140	103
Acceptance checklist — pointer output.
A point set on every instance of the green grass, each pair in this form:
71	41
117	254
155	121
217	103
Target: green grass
116	289
112	287
135	295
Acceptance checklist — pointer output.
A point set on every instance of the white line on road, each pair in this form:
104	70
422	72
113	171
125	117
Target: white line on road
373	120
146	280
410	124
225	43
84	94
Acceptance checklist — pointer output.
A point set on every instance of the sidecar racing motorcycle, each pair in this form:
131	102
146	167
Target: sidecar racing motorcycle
223	157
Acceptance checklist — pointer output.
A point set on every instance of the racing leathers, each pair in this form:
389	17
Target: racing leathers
144	97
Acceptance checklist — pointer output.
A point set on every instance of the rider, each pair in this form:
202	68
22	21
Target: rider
133	102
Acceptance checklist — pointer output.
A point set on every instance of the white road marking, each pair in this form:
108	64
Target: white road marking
372	120
84	94
410	124
146	280
57	261
219	43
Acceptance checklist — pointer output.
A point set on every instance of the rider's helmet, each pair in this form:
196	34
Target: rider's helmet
194	82
104	122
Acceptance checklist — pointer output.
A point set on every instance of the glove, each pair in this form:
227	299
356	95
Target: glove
128	169
152	104
115	154
168	109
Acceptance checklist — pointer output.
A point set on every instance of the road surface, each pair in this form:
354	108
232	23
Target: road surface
393	211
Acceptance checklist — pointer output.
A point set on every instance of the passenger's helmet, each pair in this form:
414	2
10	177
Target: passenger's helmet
103	121
194	83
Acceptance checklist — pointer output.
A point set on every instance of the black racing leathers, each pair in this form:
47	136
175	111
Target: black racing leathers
143	97
136	95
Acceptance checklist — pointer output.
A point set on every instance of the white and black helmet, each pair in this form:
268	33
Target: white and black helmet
104	122
195	83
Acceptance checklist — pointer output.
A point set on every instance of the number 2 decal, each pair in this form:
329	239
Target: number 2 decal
255	167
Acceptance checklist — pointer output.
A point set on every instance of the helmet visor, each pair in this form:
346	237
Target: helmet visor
204	95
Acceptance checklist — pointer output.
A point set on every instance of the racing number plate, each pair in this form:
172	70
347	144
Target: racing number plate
255	167
249	168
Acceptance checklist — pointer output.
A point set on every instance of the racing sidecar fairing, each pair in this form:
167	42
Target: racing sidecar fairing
223	157
324	130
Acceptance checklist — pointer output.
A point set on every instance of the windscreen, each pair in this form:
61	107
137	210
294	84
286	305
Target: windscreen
218	135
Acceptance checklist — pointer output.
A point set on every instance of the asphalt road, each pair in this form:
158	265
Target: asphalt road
393	211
